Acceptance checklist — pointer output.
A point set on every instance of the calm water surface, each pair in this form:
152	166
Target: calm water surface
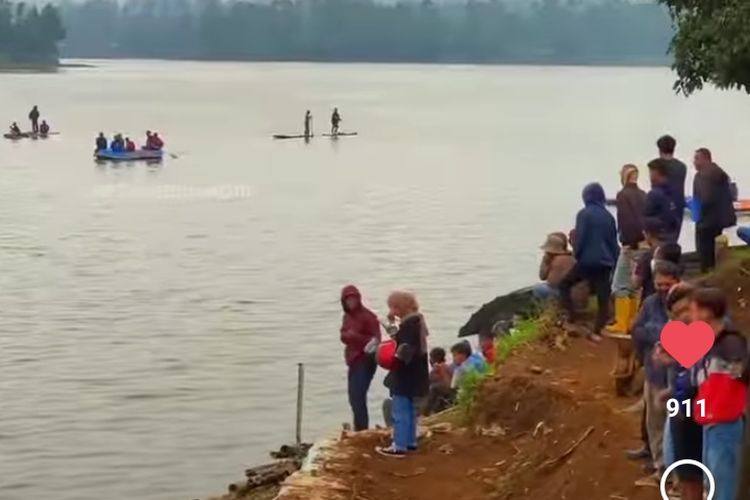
152	317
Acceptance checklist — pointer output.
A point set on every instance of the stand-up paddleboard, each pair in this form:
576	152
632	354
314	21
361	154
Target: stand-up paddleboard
341	134
28	135
299	136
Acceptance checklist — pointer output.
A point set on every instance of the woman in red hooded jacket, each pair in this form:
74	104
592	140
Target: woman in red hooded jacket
360	334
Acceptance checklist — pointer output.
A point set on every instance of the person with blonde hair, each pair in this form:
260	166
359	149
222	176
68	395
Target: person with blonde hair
410	375
631	205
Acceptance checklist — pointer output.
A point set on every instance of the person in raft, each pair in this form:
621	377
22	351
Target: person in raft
596	252
360	334
15	129
44	128
410	379
129	145
101	142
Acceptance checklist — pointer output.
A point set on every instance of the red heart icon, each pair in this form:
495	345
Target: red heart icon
687	343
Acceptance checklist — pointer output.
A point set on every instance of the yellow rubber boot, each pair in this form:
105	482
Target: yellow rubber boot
622	314
634	305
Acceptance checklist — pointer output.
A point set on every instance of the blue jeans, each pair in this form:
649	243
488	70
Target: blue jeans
359	380
404	423
744	233
542	291
722	447
668	445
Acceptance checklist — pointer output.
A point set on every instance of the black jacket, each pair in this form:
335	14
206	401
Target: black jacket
596	232
661	210
631	205
411	376
677	174
711	188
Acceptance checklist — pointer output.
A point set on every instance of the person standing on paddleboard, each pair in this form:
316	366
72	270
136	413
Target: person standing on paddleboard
335	121
34	117
308	124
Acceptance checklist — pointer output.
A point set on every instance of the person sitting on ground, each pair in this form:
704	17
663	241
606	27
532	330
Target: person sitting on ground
487	346
596	252
129	145
410	377
101	142
676	174
15	129
722	378
44	128
360	334
557	261
660	201
713	196
646	333
631	204
441	396
464	362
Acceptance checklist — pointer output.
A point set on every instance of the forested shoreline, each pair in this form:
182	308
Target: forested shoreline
552	32
29	34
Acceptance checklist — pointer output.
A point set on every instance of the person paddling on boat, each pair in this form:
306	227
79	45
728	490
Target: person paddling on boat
149	140
129	145
118	145
34	117
44	128
14	129
335	121
308	124
101	142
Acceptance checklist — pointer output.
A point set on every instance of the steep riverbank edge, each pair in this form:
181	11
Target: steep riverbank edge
546	424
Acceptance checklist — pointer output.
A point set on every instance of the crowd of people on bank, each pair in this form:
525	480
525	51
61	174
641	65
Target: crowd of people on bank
120	144
419	381
635	258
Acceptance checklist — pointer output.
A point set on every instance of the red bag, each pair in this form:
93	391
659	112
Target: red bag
387	354
725	398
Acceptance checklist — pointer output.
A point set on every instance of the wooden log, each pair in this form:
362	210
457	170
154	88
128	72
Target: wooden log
271	473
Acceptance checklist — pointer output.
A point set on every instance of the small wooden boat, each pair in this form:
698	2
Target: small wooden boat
28	135
138	155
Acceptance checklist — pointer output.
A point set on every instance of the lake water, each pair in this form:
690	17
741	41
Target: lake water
153	317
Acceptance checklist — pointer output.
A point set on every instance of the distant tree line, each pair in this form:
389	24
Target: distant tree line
552	31
29	34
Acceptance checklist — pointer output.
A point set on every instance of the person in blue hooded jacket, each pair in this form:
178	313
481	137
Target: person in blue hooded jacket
596	251
661	208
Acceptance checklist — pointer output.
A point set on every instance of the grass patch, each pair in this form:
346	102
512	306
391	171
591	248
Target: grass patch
523	333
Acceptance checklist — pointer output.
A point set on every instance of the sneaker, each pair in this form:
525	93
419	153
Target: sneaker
639	454
594	337
390	452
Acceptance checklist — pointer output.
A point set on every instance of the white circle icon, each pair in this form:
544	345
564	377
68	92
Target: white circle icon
706	471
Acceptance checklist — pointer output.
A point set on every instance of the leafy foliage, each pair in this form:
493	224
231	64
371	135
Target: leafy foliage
28	34
525	332
552	31
711	43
